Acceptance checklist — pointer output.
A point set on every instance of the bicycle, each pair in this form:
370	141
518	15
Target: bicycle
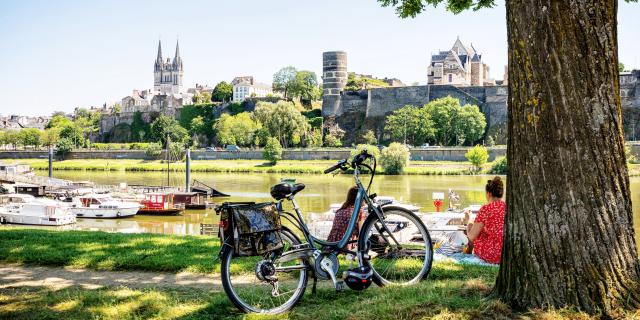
393	248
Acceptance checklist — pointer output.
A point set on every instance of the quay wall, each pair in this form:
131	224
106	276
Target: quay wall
433	154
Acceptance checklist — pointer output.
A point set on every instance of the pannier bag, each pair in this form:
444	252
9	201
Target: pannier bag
255	227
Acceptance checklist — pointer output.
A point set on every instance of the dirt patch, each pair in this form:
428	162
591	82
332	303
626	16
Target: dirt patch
19	276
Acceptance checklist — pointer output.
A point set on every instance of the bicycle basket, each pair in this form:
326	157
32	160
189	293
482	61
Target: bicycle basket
256	228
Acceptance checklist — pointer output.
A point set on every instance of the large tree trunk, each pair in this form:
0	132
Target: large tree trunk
569	238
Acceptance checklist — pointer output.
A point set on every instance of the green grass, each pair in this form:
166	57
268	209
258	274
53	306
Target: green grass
236	166
451	291
109	251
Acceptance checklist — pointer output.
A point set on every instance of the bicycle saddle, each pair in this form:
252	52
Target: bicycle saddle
283	190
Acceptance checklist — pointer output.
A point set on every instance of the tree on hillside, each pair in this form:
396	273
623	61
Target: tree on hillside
29	137
306	86
238	129
569	238
285	81
283	121
164	127
58	121
410	125
50	137
139	128
72	133
468	125
222	92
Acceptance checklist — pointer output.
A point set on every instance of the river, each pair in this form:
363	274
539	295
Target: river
321	191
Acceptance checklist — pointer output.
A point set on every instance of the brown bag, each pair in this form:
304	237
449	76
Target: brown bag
256	229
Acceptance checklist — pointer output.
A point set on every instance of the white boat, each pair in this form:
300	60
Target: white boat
103	206
25	209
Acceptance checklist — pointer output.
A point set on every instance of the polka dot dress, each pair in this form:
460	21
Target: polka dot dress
488	245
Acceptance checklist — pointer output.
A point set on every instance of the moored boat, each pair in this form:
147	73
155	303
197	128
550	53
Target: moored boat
25	209
191	200
160	204
103	206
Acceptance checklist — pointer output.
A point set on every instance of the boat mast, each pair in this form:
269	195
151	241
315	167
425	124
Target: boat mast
168	159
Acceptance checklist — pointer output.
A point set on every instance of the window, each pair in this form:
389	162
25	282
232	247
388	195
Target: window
450	78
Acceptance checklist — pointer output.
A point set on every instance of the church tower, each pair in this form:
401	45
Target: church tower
167	75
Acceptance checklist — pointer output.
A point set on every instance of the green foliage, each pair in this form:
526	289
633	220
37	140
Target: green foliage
394	158
490	141
272	150
499	166
64	146
284	80
139	129
177	152
239	129
306	86
332	140
631	158
411	125
369	137
222	92
411	8
117	108
283	121
165	127
153	150
314	113
197	125
11	138
72	133
359	82
478	156
620	67
29	137
314	139
455	124
235	107
316	123
59	121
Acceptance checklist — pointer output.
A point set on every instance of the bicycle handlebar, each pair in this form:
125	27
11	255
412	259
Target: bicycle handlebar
337	166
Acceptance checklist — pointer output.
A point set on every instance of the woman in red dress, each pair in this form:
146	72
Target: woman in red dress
343	216
486	231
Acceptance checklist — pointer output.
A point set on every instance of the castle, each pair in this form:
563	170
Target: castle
460	66
355	112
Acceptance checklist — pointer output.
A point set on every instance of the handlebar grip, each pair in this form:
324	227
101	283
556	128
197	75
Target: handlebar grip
336	166
332	169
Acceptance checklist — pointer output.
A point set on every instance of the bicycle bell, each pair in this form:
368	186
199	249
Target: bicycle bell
358	278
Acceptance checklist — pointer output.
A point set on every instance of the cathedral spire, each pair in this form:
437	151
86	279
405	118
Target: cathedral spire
159	58
177	60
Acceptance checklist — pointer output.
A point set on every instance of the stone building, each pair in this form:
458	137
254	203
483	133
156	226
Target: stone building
167	75
460	66
17	122
245	87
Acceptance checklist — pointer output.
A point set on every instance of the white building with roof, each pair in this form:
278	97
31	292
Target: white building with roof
245	87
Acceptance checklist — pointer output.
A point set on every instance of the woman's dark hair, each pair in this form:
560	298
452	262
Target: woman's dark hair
495	187
352	194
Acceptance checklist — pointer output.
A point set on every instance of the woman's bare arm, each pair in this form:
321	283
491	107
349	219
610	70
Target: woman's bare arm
473	230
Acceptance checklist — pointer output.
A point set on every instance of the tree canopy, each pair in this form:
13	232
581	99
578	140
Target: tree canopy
222	92
284	80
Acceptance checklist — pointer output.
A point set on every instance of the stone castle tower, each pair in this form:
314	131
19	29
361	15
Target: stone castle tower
334	79
168	74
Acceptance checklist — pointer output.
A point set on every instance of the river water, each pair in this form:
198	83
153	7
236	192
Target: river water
321	191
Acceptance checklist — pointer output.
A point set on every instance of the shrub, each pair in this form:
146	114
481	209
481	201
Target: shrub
177	152
369	137
153	150
394	158
372	150
332	140
631	158
499	166
478	156
272	150
64	146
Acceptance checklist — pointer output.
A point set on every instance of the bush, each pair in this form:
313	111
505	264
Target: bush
272	150
369	137
64	146
499	166
631	158
331	140
394	158
153	150
478	156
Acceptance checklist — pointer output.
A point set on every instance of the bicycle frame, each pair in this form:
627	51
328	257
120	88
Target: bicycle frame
314	242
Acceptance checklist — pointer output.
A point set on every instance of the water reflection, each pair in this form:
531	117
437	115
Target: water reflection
320	193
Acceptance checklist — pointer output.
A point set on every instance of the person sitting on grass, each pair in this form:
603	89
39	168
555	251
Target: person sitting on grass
343	216
485	233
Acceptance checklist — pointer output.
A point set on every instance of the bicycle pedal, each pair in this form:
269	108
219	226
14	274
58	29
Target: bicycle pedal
340	286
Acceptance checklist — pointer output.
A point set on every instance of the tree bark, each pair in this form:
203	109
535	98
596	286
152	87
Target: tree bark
569	238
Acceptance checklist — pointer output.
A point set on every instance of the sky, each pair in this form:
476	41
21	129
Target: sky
58	55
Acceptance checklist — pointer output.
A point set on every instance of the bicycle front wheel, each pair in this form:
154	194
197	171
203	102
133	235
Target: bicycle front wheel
243	280
400	254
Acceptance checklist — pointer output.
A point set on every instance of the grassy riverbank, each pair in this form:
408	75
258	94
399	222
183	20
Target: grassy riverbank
235	166
451	292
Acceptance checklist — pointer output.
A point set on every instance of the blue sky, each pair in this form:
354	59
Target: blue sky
57	55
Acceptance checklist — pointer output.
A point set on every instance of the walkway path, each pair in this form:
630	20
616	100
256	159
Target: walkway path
18	276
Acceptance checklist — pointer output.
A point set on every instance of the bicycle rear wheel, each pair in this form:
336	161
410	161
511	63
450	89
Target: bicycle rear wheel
402	256
253	295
